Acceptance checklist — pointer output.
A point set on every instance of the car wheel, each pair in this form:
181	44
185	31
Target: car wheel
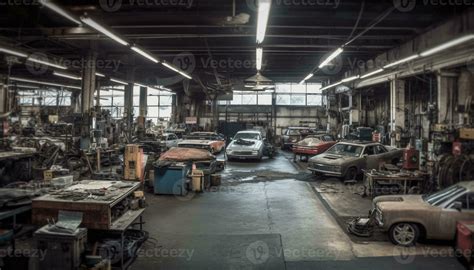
351	173
404	234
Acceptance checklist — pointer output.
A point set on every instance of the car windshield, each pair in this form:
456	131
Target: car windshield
345	150
444	195
248	136
201	136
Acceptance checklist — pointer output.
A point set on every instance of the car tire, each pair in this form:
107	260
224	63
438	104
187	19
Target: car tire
404	234
395	161
351	174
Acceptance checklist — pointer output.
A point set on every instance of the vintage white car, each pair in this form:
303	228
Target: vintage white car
249	144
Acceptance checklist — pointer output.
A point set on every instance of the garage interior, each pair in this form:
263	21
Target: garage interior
236	134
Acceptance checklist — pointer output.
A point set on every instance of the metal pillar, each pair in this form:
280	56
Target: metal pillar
447	85
88	89
397	107
142	112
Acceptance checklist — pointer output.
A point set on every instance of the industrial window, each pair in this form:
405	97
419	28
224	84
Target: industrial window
158	103
293	94
44	97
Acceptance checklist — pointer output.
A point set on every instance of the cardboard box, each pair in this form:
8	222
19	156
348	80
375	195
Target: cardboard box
466	133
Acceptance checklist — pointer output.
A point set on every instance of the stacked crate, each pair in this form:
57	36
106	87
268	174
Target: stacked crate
133	160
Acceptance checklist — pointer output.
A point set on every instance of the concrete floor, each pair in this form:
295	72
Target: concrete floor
264	216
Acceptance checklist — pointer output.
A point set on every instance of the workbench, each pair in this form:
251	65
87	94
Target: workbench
373	179
99	201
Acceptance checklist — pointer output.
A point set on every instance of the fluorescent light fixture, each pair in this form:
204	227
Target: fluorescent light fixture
249	86
331	57
372	73
24	86
103	30
259	58
331	86
45	62
350	79
13	52
263	13
176	70
100	75
59	10
65	75
401	61
307	78
144	54
43	82
447	45
118	81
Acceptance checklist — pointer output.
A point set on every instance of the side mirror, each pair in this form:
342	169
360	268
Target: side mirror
231	138
457	206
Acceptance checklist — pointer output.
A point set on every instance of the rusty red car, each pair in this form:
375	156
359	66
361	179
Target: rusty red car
313	145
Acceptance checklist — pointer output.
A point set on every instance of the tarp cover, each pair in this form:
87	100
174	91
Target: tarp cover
181	154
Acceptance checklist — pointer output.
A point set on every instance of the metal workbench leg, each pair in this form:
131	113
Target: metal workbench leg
122	234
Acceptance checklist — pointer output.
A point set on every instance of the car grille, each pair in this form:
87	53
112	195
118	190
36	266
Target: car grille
324	167
243	153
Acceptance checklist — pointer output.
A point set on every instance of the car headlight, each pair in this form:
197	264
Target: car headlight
254	152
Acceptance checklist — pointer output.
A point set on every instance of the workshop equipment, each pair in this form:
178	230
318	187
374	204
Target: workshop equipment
465	239
133	161
62	251
172	179
411	158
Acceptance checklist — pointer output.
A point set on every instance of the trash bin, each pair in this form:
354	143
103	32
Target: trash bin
198	180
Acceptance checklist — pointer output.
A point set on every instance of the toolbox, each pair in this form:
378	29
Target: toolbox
172	179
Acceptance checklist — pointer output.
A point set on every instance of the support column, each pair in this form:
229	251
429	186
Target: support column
447	85
128	109
174	109
397	107
88	89
142	111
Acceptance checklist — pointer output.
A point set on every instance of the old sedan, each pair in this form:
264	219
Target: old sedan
409	217
211	141
348	159
313	145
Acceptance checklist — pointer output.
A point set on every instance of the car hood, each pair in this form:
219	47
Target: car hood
196	142
331	159
400	202
245	144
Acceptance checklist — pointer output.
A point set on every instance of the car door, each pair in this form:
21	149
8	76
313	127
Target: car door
371	159
450	216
